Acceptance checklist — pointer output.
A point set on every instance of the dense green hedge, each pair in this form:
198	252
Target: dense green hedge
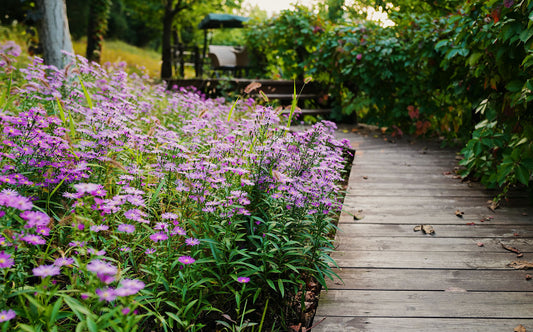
466	74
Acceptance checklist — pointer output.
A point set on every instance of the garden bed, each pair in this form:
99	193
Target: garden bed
125	206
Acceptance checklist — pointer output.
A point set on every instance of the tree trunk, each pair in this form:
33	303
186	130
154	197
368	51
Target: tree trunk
96	28
54	32
166	56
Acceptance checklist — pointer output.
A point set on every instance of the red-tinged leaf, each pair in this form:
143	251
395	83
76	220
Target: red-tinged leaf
480	244
470	223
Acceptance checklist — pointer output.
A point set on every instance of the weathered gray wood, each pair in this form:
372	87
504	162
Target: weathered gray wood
435	218
425	260
433	280
452	304
460	231
425	244
395	324
396	279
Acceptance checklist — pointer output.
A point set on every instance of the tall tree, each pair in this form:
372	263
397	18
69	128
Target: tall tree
96	28
171	9
53	32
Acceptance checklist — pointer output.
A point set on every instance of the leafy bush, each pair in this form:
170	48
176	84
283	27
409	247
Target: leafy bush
126	207
446	72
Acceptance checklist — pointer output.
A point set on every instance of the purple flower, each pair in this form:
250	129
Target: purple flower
98	266
508	3
98	228
96	252
44	271
149	251
33	239
126	228
169	215
186	260
12	199
35	219
160	236
192	241
5	260
243	280
43	230
359	56
83	188
106	294
129	287
62	261
161	226
6	315
178	231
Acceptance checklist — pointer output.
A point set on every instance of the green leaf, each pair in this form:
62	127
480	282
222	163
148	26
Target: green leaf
514	86
79	309
281	288
91	325
522	174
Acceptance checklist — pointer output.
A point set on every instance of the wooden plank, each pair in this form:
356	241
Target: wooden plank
424	260
460	231
396	324
425	244
435	218
433	280
351	303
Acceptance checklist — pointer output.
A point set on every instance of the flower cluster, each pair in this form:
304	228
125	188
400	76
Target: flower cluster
122	194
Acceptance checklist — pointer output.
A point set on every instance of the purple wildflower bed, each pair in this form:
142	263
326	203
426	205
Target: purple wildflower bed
127	207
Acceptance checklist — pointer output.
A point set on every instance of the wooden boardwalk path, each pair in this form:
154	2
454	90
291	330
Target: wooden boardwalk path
396	279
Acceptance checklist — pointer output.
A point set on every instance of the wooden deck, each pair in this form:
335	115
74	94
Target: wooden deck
396	279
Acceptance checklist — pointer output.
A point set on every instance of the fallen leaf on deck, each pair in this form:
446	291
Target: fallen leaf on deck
524	214
528	276
480	244
470	223
459	213
358	216
520	328
365	177
427	229
447	173
492	205
511	249
354	130
521	265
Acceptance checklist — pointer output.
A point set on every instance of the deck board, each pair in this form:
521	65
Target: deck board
395	279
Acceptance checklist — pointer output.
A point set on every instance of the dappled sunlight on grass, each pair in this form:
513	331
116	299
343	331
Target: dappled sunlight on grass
136	58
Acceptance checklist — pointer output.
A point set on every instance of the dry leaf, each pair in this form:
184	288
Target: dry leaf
365	177
521	265
492	205
520	328
524	214
459	213
427	229
470	223
480	244
358	216
251	87
528	276
417	228
511	249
